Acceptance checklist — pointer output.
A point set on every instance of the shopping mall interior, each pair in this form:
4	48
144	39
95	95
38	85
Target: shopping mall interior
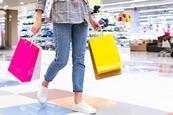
142	32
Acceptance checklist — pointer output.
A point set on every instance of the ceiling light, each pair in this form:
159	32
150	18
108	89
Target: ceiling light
153	10
154	15
5	7
139	0
113	9
1	1
107	6
126	2
21	3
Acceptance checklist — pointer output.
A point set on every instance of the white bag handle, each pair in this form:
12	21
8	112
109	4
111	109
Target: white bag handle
31	38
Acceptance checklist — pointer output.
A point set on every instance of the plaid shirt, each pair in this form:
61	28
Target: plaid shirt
67	11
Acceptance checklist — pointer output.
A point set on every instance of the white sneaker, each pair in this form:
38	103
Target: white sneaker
42	95
83	108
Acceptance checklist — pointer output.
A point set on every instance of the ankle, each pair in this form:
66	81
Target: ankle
77	98
45	84
77	101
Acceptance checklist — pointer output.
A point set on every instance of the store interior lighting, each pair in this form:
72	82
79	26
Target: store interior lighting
153	10
126	2
154	15
21	3
1	1
5	7
132	4
113	10
139	0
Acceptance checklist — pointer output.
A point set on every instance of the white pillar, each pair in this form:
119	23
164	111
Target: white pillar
134	24
11	28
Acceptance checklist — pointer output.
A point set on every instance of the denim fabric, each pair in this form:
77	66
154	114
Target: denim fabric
64	35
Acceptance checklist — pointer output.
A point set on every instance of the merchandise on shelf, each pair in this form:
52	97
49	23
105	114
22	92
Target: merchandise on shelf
156	26
45	36
124	17
120	29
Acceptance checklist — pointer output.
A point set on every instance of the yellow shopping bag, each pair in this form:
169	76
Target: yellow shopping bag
105	56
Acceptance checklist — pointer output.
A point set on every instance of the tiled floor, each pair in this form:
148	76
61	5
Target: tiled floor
144	87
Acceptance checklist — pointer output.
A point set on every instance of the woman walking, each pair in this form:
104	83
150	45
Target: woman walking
70	20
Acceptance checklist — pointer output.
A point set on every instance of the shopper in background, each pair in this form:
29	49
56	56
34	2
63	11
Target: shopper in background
70	24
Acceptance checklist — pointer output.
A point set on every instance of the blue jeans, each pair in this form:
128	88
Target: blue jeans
64	35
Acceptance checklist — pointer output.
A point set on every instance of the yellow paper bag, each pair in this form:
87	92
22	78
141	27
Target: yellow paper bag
105	56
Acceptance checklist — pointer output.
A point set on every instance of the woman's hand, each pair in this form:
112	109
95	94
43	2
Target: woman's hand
38	22
94	24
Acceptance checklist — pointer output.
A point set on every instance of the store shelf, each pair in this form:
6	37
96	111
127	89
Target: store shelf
45	36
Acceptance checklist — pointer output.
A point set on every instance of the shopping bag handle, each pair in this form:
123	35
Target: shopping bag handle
98	33
31	37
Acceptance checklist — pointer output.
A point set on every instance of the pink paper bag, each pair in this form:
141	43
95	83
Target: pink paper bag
24	60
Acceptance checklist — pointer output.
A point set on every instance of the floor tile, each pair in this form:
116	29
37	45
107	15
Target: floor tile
35	109
141	66
23	88
2	93
127	109
14	100
77	113
67	102
146	81
6	83
53	94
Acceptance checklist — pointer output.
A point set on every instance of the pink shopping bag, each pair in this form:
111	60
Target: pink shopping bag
24	60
